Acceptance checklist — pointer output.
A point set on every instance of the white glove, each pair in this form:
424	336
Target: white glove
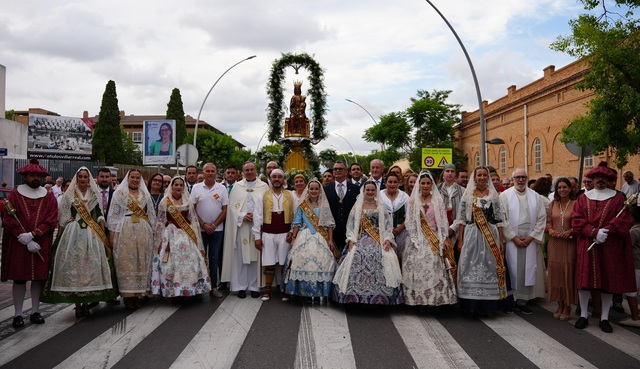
602	235
33	246
25	238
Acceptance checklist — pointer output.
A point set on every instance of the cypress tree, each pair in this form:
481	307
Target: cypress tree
175	111
107	136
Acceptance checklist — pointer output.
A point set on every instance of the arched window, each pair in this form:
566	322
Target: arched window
537	155
503	160
477	159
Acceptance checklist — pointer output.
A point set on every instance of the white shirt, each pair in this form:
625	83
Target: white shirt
344	187
56	191
209	202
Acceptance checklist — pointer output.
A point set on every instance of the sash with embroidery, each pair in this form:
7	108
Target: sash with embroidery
434	242
81	208
367	226
307	209
134	206
184	225
483	225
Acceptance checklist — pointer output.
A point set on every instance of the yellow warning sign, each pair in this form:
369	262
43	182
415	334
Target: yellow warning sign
436	158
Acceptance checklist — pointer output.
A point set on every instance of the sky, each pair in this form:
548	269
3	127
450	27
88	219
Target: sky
60	55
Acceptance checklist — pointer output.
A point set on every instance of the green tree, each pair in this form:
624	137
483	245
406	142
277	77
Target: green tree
132	154
273	152
105	148
391	131
433	120
608	39
219	149
8	114
175	111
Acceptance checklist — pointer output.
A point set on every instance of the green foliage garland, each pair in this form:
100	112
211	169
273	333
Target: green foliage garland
316	92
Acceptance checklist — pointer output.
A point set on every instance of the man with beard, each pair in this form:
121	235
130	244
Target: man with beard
240	264
106	191
272	227
27	239
608	266
463	178
525	222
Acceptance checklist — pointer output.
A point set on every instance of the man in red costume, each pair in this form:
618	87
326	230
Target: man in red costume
608	266
27	239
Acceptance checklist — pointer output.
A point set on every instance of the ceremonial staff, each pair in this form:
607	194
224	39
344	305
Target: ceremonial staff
631	201
12	211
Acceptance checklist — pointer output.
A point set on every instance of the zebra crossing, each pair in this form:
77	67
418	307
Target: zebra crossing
246	333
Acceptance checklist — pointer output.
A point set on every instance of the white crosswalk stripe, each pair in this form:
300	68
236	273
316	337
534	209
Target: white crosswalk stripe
324	339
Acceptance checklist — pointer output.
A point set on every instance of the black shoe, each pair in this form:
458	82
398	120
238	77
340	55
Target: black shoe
524	309
36	318
582	323
605	326
617	306
18	322
113	302
255	294
93	304
243	294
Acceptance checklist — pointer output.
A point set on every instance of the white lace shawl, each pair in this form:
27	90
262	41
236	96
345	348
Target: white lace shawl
465	211
191	217
326	218
92	197
385	222
119	209
413	223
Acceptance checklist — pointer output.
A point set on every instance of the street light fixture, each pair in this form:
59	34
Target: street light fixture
355	160
195	132
372	118
495	141
483	124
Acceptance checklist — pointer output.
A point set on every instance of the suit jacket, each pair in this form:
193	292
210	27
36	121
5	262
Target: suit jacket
382	183
106	211
340	211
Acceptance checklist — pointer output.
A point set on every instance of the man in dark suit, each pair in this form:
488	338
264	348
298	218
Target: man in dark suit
341	195
106	194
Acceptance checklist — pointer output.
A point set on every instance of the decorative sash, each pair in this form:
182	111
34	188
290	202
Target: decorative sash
434	242
81	208
184	225
367	226
307	209
134	206
483	225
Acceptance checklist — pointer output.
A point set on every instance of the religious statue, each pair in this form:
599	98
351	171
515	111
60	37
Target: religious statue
297	125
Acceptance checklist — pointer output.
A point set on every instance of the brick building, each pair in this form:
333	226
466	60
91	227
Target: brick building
530	121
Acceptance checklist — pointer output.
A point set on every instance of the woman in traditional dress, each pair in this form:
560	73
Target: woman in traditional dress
154	185
131	223
395	200
179	268
428	263
561	250
311	262
81	267
369	272
299	185
483	279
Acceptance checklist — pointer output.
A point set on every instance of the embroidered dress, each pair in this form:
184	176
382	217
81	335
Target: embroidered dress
184	272
367	274
478	280
425	275
310	264
81	266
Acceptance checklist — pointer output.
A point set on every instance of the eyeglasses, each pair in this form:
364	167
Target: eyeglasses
165	130
520	177
157	180
339	168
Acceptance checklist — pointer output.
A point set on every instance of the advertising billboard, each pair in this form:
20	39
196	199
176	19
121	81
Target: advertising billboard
57	137
159	142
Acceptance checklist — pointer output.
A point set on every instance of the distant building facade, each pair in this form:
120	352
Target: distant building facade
530	121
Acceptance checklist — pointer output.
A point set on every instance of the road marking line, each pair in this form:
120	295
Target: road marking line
8	312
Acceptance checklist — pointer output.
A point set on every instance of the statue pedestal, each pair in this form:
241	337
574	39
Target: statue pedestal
296	158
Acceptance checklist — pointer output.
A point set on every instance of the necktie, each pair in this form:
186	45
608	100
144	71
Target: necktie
340	191
104	200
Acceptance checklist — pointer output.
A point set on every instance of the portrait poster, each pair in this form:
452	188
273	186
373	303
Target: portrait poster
159	142
58	137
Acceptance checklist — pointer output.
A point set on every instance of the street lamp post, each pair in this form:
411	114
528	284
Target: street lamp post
355	160
483	125
372	118
493	141
195	132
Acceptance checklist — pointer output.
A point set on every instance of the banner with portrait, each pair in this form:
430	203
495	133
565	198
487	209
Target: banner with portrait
159	142
57	137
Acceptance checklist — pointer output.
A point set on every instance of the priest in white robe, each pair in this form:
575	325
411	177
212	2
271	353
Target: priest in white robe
525	221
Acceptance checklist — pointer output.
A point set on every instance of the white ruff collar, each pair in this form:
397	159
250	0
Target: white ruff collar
600	195
32	193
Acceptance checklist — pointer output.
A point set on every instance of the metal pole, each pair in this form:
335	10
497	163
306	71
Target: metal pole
483	128
355	160
195	132
372	118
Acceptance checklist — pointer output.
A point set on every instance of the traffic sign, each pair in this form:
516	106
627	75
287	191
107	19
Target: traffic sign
436	158
3	151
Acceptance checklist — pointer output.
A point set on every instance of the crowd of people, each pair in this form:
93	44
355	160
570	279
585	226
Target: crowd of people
472	240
